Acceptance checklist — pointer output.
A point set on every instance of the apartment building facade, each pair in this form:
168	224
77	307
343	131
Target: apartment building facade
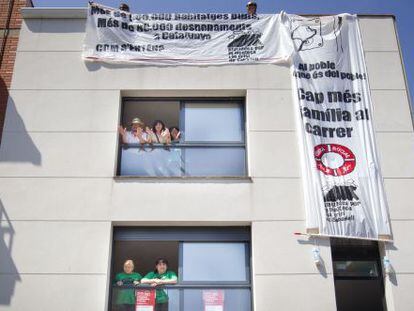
222	208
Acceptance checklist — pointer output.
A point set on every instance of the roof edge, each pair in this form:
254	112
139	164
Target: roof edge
81	12
63	12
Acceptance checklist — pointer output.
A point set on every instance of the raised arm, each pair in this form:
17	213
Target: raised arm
167	136
123	132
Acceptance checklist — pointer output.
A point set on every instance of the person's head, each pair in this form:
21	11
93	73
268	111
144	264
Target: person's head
128	266
137	123
158	126
251	7
161	265
174	132
124	7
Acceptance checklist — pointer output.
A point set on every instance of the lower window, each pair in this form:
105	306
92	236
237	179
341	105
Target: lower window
188	269
358	277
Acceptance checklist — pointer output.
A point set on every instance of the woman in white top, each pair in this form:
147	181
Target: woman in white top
159	134
137	135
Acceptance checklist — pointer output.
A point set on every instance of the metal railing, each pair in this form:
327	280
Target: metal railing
182	286
229	297
183	160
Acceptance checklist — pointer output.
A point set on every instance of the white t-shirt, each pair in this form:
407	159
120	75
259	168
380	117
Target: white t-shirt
132	139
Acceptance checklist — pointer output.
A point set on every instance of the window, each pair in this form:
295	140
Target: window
355	268
357	275
212	265
211	140
220	262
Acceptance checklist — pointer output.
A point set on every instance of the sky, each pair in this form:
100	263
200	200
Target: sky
402	9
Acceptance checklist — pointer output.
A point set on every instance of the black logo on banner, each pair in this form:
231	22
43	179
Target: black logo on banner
340	201
246	39
244	46
341	193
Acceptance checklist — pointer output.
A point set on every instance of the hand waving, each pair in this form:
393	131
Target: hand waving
122	130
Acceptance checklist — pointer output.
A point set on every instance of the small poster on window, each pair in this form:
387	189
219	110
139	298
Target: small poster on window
213	300
145	300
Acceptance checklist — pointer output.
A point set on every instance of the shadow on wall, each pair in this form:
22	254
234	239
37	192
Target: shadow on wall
9	275
75	25
97	65
16	144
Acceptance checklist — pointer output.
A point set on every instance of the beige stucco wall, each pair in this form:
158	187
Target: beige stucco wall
59	153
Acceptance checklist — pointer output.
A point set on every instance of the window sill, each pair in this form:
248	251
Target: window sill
189	179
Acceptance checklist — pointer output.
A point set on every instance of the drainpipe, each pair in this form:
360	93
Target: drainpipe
6	31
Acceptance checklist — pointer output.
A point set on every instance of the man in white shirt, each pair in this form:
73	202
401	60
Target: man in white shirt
137	135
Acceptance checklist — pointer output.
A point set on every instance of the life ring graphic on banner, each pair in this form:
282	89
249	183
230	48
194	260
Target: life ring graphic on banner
348	159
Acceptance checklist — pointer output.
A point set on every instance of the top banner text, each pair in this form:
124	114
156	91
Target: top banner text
184	38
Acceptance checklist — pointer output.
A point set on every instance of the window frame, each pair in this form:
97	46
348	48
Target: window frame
358	250
242	107
241	101
352	251
247	261
236	234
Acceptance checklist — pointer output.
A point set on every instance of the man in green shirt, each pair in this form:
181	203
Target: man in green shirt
160	276
125	297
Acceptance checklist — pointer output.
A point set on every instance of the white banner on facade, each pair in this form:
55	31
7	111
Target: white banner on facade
185	38
343	188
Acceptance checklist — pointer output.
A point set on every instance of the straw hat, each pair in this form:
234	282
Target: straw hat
137	121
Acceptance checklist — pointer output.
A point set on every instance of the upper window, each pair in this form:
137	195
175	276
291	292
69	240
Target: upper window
182	137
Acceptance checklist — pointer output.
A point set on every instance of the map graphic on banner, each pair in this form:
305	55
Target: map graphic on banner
342	182
184	38
344	194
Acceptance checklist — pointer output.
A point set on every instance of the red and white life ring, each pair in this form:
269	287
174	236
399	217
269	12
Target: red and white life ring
347	155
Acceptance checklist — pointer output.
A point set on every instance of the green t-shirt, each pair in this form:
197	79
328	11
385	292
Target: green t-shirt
160	294
126	295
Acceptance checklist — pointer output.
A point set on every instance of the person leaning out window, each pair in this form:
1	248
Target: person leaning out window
125	297
137	135
159	133
175	134
160	276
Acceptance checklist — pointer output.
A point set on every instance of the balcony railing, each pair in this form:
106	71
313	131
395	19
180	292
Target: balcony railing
193	297
183	160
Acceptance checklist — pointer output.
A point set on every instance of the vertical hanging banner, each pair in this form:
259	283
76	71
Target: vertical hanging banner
344	195
184	38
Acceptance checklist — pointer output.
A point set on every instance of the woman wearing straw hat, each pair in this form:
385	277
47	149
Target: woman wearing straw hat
137	135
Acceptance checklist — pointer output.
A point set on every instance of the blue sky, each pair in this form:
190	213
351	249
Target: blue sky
402	9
